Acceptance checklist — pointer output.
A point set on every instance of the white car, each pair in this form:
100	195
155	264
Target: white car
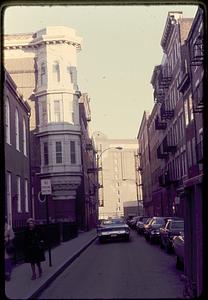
113	229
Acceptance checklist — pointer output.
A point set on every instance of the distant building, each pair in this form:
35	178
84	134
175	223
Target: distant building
44	67
18	205
117	174
145	164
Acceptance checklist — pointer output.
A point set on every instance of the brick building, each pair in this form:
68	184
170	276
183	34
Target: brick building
18	206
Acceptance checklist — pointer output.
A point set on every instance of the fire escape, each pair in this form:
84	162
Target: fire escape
161	154
163	83
167	178
197	55
167	147
166	114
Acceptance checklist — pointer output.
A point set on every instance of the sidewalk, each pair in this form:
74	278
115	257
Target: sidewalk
22	287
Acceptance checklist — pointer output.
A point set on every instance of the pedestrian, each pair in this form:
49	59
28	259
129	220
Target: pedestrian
34	247
8	249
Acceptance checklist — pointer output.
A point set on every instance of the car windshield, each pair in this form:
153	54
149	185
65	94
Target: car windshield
177	225
113	221
158	221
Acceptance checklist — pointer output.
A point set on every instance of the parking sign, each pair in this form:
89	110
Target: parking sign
46	186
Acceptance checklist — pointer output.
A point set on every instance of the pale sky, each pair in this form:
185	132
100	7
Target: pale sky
121	46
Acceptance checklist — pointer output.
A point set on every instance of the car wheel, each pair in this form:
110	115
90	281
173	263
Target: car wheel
179	264
151	240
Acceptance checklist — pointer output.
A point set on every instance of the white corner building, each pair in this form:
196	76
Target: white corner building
44	67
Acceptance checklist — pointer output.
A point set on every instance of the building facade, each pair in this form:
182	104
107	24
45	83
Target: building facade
88	192
191	88
168	150
144	167
117	174
18	206
175	138
44	67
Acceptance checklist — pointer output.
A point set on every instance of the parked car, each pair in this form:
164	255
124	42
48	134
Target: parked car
129	218
132	223
172	228
146	226
140	224
113	229
152	232
178	246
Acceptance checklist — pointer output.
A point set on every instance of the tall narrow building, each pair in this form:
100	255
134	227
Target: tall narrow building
44	67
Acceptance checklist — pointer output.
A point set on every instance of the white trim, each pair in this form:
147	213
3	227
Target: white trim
26	196
9	199
18	182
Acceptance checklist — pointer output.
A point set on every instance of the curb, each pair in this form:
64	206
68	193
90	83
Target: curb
59	271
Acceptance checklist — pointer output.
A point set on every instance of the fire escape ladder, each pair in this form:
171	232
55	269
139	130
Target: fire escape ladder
160	125
198	98
161	154
167	147
166	114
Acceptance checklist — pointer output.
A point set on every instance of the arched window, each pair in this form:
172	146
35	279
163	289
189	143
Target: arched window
7	121
56	71
17	129
42	73
24	138
69	72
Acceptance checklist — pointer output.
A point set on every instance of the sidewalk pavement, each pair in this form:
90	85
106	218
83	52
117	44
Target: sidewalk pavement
22	287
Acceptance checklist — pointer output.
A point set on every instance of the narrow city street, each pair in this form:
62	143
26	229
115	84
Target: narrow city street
134	269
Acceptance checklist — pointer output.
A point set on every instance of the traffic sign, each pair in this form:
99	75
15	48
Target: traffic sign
46	186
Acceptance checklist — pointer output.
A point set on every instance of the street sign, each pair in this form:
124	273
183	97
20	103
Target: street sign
46	186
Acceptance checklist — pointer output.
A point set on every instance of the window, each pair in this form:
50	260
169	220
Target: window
7	121
56	71
17	129
26	196
19	206
189	154
9	198
194	150
42	73
57	112
45	153
186	112
44	113
183	163
58	152
24	138
72	152
191	108
69	71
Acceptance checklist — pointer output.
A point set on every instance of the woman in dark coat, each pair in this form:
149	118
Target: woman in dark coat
34	252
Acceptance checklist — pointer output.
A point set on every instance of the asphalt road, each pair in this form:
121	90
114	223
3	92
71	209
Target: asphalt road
134	269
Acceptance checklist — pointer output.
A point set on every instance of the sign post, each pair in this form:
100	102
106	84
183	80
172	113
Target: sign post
46	190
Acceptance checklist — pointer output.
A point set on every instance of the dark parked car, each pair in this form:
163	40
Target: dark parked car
140	224
172	228
151	231
178	246
132	223
113	229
